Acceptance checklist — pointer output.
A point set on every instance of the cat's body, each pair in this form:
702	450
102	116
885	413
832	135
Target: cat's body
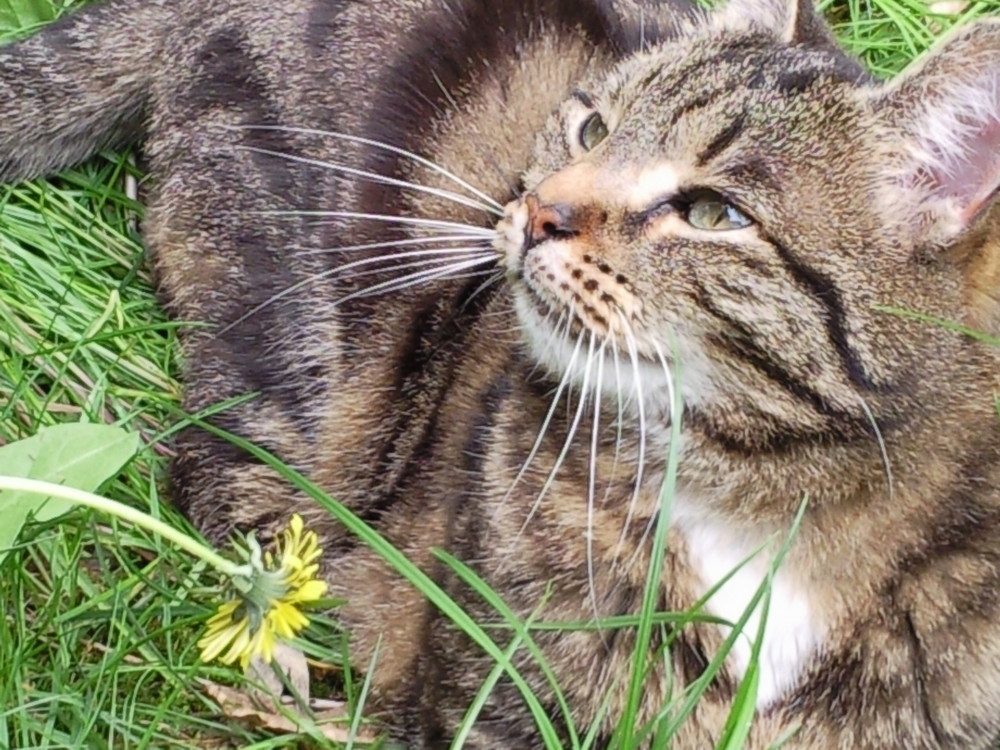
419	407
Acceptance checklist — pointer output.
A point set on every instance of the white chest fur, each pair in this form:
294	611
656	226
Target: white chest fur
793	631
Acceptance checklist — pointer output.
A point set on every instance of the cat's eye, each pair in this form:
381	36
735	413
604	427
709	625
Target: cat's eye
593	131
715	213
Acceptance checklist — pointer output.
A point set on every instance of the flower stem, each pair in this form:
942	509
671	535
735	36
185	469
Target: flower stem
126	513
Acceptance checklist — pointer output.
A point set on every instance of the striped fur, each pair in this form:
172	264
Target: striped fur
516	411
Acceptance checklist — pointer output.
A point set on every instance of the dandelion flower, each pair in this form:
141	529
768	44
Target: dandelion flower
268	603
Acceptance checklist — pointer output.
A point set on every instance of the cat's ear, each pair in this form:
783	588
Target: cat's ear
790	21
644	23
944	111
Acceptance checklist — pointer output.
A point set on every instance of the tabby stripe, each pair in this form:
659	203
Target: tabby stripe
797	81
767	436
699	102
433	75
963	527
425	370
753	171
964	522
738	52
749	351
663	94
721	141
733	52
838	674
825	291
489	403
919	666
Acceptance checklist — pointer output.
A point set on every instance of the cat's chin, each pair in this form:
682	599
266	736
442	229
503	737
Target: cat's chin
625	368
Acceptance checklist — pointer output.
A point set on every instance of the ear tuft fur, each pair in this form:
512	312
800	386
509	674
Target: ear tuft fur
947	109
790	21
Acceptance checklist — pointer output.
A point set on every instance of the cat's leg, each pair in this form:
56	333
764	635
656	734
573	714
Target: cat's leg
80	85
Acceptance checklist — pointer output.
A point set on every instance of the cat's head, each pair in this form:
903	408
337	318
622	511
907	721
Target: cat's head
736	200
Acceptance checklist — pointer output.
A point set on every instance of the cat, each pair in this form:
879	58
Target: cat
477	259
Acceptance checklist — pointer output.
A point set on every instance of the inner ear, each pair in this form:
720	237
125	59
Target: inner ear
946	108
789	21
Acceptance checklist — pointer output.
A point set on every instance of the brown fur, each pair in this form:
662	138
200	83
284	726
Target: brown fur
419	409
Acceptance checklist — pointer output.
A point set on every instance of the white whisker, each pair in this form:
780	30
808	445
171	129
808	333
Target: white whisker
400	266
389	219
669	377
881	445
385	146
420	277
592	480
619	425
395	243
440	253
375	177
331	273
567	374
451	276
483	287
570	433
553	332
444	275
633	354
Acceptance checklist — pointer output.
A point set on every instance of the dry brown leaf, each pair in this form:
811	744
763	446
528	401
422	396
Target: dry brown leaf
286	661
238	705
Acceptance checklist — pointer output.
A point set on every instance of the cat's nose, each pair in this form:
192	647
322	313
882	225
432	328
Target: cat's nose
551	221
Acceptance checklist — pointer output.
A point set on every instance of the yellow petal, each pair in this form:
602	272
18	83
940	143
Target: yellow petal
292	564
261	644
310	571
239	644
223	615
282	629
286	619
308	592
220	630
212	643
310	548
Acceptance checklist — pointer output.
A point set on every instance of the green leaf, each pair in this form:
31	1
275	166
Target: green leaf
741	715
83	456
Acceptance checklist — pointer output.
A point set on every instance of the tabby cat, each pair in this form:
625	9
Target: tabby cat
476	258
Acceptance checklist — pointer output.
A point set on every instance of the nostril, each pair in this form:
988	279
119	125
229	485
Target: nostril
555	221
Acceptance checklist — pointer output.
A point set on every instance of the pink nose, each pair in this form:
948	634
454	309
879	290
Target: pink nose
554	221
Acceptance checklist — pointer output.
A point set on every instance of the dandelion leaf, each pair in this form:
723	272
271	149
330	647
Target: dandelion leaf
83	456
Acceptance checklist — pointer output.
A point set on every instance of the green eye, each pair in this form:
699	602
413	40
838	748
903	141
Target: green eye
714	213
593	131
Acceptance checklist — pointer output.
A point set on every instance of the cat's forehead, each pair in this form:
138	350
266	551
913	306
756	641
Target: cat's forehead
689	91
714	62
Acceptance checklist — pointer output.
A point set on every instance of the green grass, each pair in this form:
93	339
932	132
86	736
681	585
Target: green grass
100	620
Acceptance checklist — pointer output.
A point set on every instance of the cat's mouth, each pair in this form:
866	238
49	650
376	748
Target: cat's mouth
581	318
566	277
625	372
